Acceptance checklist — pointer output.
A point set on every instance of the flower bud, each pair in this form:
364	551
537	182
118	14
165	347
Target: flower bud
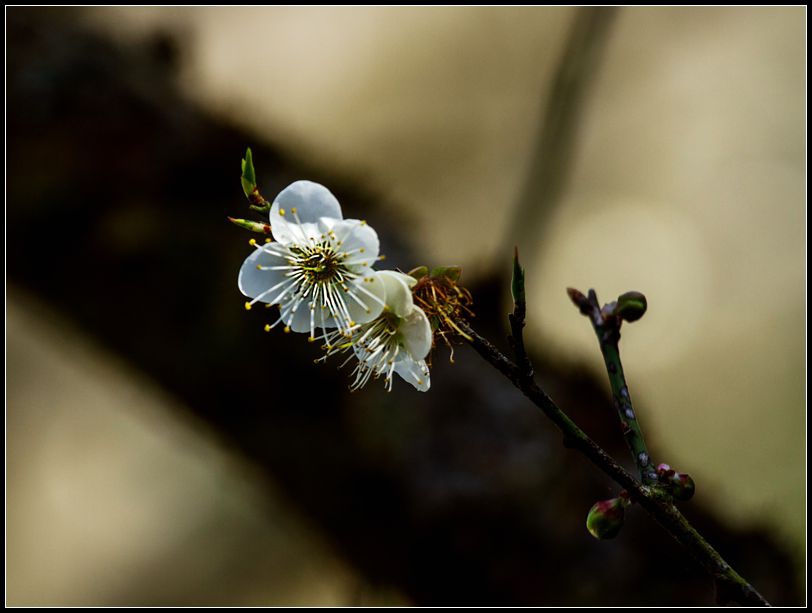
631	306
248	178
605	518
664	473
682	486
579	300
253	226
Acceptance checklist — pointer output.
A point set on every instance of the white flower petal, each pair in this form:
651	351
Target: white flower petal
357	240
409	280
255	283
299	321
297	211
415	372
367	299
398	295
416	333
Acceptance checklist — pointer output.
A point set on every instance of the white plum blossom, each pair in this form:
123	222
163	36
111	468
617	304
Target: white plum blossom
397	341
319	267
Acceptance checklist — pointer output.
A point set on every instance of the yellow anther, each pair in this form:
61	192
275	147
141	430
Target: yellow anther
293	210
420	381
311	339
381	257
267	327
352	323
386	308
259	267
361	250
247	306
268	240
363	222
253	242
282	212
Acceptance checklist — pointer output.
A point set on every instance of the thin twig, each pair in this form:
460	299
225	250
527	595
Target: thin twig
517	318
607	328
658	504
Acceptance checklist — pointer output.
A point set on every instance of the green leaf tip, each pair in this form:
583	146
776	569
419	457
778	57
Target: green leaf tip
517	282
419	272
249	176
452	272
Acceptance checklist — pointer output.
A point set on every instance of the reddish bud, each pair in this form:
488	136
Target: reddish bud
605	518
682	486
579	300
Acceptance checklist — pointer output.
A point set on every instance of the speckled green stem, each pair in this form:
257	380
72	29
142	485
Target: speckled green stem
608	336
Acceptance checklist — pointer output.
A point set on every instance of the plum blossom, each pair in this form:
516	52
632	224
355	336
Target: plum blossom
318	269
397	341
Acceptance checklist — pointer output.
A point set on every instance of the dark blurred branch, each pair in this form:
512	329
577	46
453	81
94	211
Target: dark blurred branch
560	117
657	502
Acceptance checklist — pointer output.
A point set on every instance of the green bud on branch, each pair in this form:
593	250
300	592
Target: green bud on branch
605	518
631	306
682	486
253	226
249	176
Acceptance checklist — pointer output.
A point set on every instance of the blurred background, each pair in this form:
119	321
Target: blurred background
161	449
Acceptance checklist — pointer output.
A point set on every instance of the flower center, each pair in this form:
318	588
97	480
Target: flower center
318	263
383	333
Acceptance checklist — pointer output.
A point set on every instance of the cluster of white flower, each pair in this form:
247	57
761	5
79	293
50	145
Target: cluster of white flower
319	270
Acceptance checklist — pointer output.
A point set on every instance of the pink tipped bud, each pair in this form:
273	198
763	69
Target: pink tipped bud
682	486
579	300
605	518
665	472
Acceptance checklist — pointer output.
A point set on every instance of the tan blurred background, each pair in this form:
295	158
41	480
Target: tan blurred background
688	184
